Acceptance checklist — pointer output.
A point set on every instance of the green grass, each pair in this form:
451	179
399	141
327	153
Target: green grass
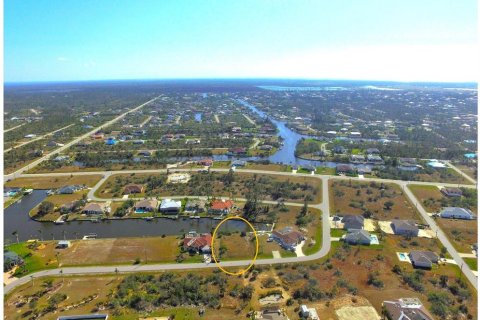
32	262
325	171
337	233
179	313
318	242
472	263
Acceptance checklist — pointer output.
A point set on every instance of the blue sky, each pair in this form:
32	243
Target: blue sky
405	40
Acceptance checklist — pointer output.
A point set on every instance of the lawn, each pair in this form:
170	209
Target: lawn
36	257
370	198
472	263
54	182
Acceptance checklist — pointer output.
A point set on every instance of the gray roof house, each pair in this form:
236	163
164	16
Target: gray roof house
406	309
353	222
195	206
358	237
457	213
404	227
423	259
452	192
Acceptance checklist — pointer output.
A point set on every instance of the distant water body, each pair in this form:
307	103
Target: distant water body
281	88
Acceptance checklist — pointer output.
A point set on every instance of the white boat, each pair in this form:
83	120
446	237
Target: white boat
27	191
90	236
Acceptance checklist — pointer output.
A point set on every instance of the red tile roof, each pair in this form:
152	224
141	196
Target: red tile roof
221	205
197	242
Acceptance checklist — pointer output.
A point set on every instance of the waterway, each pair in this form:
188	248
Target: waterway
16	218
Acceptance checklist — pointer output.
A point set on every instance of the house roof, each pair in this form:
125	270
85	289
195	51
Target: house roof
456	211
344	167
288	235
147	203
407	309
169	203
197	241
358	236
428	257
452	191
94	206
404	224
221	204
129	188
353	221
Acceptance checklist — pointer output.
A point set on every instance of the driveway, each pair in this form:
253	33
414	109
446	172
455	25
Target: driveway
298	249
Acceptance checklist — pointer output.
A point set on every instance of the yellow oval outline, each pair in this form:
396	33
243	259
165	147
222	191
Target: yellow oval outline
256	249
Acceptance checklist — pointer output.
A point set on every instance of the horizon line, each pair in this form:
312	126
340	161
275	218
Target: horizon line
470	82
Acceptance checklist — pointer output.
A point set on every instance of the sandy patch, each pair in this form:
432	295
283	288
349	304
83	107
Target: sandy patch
357	313
386	226
8	276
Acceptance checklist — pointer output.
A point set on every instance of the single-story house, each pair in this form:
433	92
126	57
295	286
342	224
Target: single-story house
288	238
145	153
339	150
63	244
423	259
133	188
375	159
271	314
406	309
69	189
353	222
363	169
358	237
457	213
407	162
220	206
169	206
206	162
10	260
357	158
345	169
148	205
195	206
96	208
452	192
239	150
239	163
200	243
404	227
373	151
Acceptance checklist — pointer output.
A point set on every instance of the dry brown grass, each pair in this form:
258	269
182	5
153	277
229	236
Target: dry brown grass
54	182
462	233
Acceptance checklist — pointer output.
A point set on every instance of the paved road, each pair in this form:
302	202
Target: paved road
17	173
37	138
463	174
13	128
442	237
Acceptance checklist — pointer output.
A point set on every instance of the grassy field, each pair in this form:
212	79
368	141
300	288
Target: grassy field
472	263
433	200
58	200
349	197
35	257
469	170
462	233
54	182
447	175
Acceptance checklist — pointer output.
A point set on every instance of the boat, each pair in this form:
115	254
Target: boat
90	236
95	220
50	192
27	191
195	217
217	218
148	218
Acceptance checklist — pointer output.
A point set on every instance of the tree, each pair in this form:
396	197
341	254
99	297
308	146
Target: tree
45	207
388	205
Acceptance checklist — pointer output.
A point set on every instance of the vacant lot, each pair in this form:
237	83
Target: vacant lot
469	170
54	182
121	251
371	199
235	246
267	187
433	200
462	233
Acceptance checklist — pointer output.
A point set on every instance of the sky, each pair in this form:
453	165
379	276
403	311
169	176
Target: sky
399	40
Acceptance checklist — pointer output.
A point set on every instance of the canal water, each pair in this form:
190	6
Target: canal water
16	218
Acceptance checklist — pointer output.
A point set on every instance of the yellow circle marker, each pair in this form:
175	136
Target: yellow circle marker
256	247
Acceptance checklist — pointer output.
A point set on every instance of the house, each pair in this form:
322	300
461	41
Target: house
61	158
96	208
133	188
353	222
452	192
374	159
363	169
339	150
373	151
406	309
145	153
288	238
457	213
169	206
69	189
308	313
358	237
195	206
10	260
407	162
345	169
357	158
63	244
239	163
221	207
355	134
111	142
146	205
236	129
238	151
423	259
138	141
200	243
271	314
206	162
404	227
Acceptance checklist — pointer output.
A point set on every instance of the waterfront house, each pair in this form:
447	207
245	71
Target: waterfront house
339	150
195	206
452	192
146	205
353	222
70	189
406	309
239	163
10	260
374	159
221	207
205	162
373	151
345	169
288	238
357	158
423	259
96	208
404	227
457	213
169	206
133	189
197	243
